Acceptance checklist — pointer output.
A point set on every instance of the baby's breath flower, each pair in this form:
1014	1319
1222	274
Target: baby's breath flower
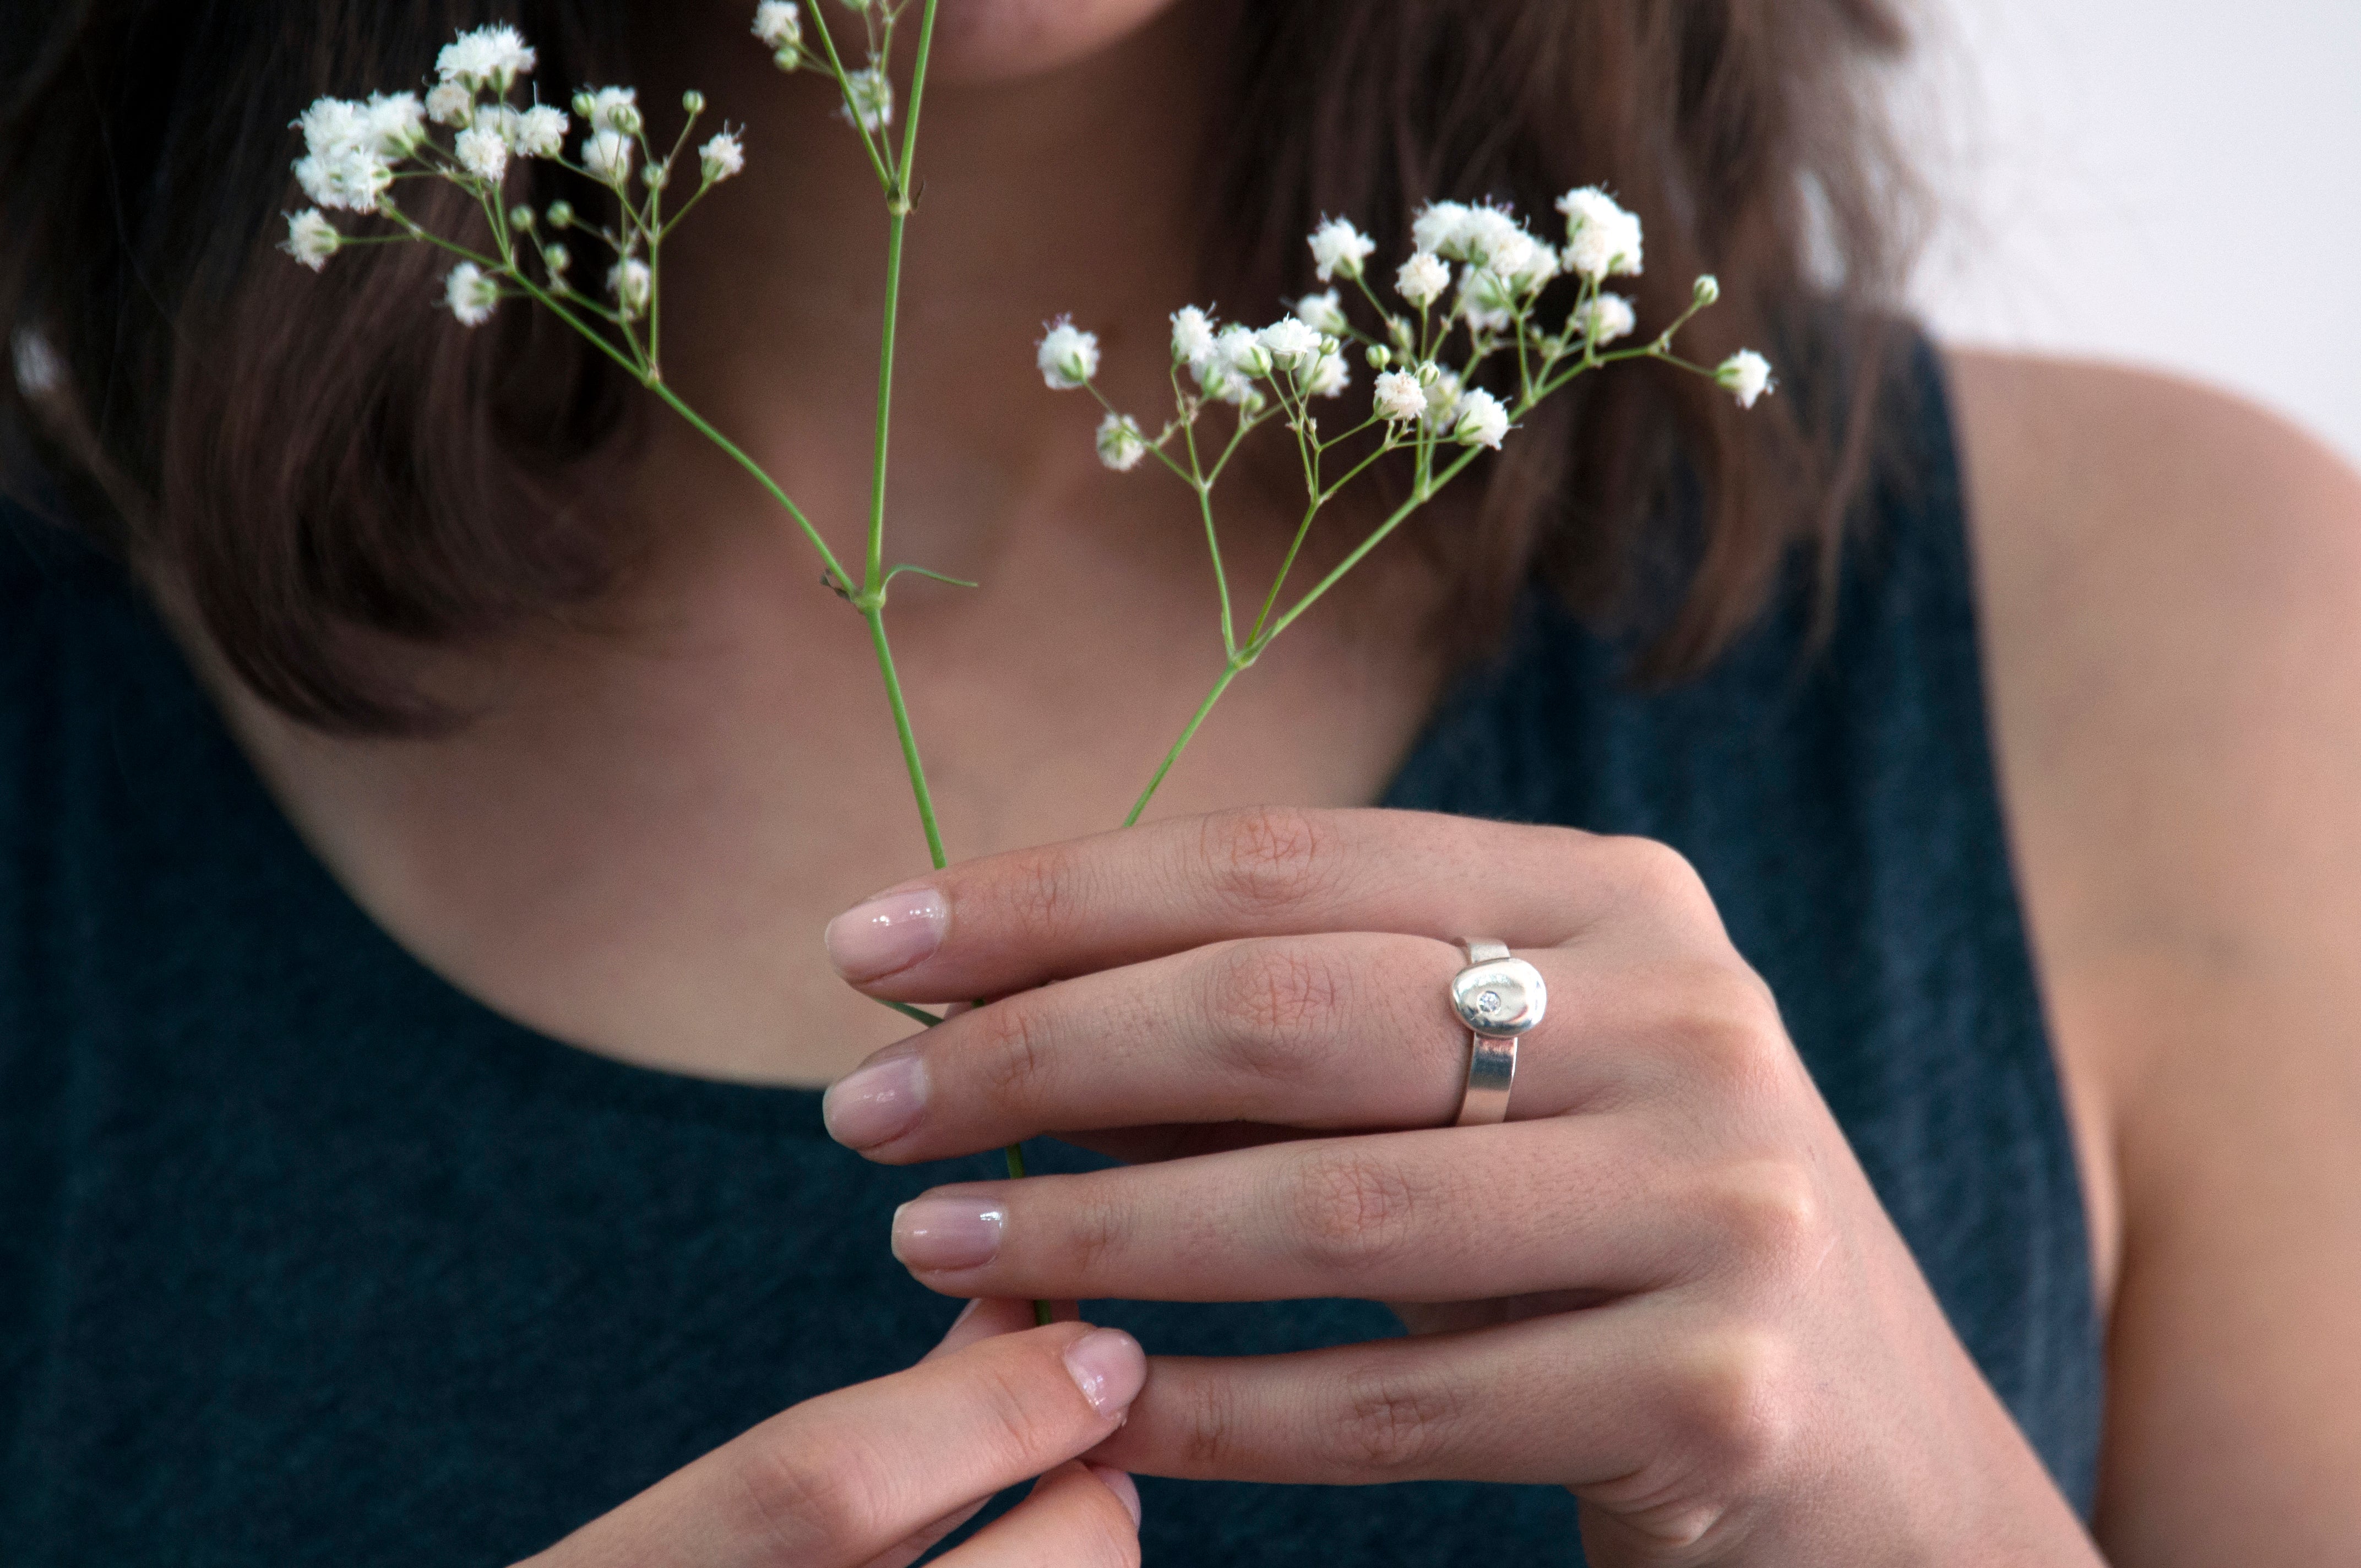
558	260
869	99
354	180
1601	236
1337	247
1121	442
1067	356
310	239
1606	319
1708	289
539	132
722	156
1486	300
1323	312
1241	352
1291	342
450	103
1438	226
609	108
488	57
608	156
1399	396
395	124
1423	279
471	295
1747	374
780	25
1482	420
631	282
483	153
1442	395
1329	376
657	174
1193	338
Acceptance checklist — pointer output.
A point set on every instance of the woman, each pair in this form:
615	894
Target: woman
444	1183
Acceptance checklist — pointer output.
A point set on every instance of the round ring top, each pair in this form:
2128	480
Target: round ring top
1499	998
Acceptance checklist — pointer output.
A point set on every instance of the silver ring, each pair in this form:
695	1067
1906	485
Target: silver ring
1495	998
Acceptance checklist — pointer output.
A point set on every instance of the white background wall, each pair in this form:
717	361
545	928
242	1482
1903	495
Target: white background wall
2171	183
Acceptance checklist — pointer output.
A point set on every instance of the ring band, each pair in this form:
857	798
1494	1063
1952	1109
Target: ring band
1495	998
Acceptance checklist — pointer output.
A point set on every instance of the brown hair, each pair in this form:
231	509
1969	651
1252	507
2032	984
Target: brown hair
317	468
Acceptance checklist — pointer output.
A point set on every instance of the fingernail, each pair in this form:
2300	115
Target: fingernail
1108	1367
1121	1484
876	1103
887	934
935	1234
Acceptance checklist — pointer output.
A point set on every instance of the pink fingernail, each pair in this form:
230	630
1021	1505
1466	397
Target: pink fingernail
877	1103
1121	1484
1109	1368
932	1235
886	934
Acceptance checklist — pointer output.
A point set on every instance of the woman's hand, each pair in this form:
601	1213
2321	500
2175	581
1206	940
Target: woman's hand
1664	1282
872	1475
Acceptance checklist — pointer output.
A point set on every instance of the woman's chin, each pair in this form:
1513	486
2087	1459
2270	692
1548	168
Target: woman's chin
980	42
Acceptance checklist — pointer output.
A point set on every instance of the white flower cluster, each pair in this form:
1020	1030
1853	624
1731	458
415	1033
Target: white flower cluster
1500	271
355	150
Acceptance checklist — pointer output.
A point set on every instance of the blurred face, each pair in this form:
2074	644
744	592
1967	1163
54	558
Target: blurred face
1004	40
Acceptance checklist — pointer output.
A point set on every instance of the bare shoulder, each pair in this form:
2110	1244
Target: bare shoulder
2171	590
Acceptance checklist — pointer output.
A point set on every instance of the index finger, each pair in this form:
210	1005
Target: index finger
840	1478
1008	922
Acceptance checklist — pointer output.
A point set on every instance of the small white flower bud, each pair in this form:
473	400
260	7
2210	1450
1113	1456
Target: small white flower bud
561	215
1399	396
539	132
450	103
488	57
1067	357
1604	320
1482	420
520	218
1241	350
631	284
1708	289
1193	338
1423	279
608	156
780	25
471	295
693	101
869	99
1291	342
610	109
1601	236
657	174
1329	376
558	258
1326	312
1746	374
310	239
483	154
1337	247
1121	442
1379	356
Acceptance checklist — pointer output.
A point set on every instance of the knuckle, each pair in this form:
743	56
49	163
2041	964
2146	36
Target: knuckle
805	1491
1732	1405
1035	891
1653	873
1214	1438
1011	1055
1353	1210
1272	1000
1732	1028
1264	857
1773	1219
1396	1424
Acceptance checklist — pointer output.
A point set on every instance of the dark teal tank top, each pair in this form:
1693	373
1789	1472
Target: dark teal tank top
307	1258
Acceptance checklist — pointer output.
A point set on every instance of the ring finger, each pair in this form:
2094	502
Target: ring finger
1332	1032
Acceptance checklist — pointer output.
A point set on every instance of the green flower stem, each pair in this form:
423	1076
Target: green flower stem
1237	661
873	612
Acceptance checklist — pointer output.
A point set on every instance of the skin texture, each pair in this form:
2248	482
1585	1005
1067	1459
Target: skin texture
2167	581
